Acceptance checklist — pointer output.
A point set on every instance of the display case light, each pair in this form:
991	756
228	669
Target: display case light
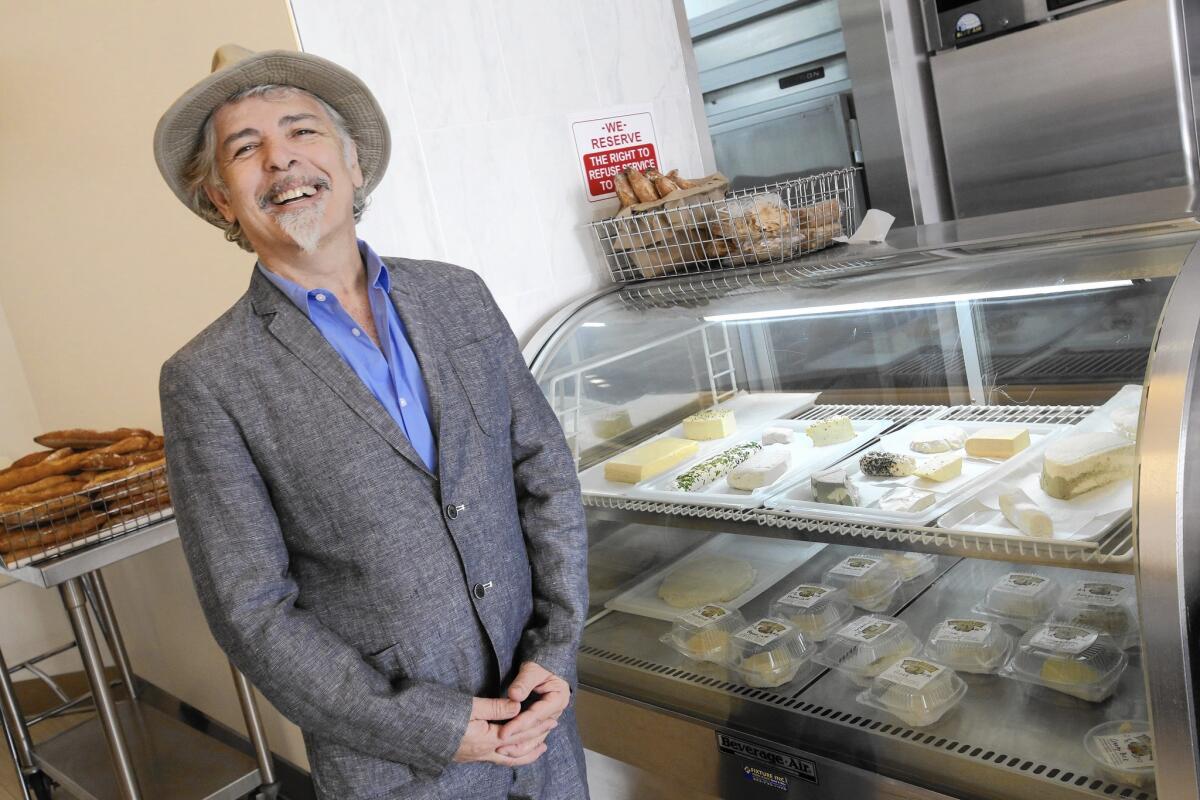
1066	288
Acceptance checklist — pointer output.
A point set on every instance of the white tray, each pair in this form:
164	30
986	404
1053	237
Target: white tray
772	559
751	411
1085	518
975	473
806	459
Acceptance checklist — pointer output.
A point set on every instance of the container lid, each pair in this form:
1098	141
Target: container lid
703	633
769	652
1124	748
867	646
1020	599
911	565
815	609
917	690
869	581
969	645
1077	661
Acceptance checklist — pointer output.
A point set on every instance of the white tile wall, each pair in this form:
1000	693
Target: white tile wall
478	94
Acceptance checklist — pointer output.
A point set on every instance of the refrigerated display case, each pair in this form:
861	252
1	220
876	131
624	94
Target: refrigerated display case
1078	343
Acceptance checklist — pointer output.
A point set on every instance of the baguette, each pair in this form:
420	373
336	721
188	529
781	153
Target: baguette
54	464
27	495
22	544
664	186
682	183
642	187
624	190
17	516
31	459
118	474
155	443
84	439
130	444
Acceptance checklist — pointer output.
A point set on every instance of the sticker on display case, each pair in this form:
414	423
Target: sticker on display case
776	759
968	25
611	141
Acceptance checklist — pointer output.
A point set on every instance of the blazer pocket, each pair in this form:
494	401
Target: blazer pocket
483	379
386	662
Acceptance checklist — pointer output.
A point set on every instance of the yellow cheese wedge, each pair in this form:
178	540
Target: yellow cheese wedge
652	458
940	468
710	424
997	442
1071	673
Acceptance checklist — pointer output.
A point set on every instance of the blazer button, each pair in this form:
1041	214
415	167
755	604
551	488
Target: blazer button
452	510
479	590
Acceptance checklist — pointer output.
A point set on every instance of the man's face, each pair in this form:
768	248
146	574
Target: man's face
285	174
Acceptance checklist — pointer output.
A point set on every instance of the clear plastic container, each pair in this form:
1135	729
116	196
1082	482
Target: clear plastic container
1124	751
1077	661
1020	599
814	609
703	633
918	691
769	653
1106	607
869	581
911	565
862	649
969	645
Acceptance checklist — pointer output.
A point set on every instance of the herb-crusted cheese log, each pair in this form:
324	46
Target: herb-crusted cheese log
712	469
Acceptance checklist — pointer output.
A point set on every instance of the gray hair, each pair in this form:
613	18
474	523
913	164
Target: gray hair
202	167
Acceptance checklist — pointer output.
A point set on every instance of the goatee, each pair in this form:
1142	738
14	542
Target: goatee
304	225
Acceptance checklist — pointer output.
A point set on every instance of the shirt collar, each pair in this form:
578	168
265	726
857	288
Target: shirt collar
377	277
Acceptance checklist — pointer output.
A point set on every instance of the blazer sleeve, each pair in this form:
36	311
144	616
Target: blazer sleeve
236	552
551	511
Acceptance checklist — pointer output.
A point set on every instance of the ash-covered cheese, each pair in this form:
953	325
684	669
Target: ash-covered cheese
880	464
834	486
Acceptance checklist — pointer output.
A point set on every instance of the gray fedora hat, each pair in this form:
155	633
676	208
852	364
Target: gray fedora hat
235	68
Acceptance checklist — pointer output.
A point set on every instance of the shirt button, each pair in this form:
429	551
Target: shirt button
320	298
356	331
479	590
403	403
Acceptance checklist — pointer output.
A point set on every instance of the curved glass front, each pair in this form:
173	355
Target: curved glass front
998	386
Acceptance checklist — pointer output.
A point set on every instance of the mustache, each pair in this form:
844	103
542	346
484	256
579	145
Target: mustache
287	184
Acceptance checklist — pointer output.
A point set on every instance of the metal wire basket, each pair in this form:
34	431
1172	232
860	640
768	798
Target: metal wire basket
53	527
765	224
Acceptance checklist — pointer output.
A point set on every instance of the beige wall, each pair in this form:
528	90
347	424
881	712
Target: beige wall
105	274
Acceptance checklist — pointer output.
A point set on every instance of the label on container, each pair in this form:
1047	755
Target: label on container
915	673
704	615
1021	583
970	631
1063	639
806	595
764	631
1098	594
855	566
1126	750
867	629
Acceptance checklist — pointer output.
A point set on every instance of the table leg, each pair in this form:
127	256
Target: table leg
269	790
112	632
75	603
16	733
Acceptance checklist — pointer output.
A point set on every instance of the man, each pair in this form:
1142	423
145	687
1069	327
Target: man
377	505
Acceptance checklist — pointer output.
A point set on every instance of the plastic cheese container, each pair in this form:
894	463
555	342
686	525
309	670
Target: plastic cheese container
816	610
703	633
869	581
969	645
1020	599
1106	607
1124	751
862	649
911	565
768	653
917	690
1077	661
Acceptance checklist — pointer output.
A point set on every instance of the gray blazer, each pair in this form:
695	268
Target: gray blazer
367	598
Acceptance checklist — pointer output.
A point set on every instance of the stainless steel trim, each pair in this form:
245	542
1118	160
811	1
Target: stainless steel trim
1167	514
254	726
16	732
76	563
89	652
1185	59
112	631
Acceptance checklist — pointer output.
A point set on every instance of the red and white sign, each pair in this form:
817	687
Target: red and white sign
608	144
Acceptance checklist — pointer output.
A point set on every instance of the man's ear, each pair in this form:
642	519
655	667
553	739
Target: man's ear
356	171
219	199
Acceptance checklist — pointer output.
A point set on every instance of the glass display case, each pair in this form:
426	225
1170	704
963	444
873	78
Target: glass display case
915	520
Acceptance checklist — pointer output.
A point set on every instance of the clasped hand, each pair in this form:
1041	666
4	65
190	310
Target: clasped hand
501	733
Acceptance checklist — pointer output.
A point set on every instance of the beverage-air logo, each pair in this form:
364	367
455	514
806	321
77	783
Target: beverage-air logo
968	25
776	759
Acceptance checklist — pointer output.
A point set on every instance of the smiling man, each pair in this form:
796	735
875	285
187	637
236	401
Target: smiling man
379	510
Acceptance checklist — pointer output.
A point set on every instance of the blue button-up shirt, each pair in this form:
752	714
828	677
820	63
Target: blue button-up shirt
392	374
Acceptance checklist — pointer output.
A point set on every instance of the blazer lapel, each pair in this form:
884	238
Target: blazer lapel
297	333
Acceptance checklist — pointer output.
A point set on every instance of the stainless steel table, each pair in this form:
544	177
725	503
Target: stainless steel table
130	750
